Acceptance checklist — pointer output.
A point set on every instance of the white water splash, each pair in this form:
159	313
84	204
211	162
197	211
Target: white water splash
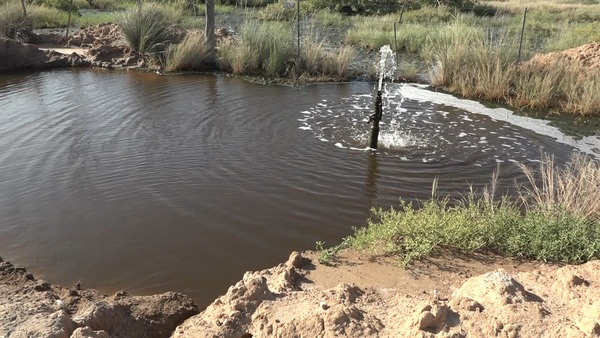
387	64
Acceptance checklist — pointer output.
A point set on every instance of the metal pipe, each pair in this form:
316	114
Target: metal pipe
376	118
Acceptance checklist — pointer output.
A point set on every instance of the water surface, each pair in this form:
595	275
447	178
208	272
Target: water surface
152	183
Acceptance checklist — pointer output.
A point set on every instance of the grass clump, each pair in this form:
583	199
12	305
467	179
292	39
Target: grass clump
371	32
465	60
146	29
13	22
555	218
262	46
190	54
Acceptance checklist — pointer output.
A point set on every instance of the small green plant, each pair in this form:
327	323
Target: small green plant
263	46
328	255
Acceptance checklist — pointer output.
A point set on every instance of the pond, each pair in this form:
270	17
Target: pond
152	183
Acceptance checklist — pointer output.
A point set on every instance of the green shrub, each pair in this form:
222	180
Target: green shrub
49	17
277	12
371	32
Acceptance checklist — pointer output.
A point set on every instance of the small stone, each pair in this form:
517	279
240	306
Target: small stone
73	293
576	281
323	305
29	276
42	286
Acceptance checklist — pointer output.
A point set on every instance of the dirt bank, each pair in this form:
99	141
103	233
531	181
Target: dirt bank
443	296
30	307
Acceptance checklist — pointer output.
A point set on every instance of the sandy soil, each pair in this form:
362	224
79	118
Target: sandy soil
445	296
30	307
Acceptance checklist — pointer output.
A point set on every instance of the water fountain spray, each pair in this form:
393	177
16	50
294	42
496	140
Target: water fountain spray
387	68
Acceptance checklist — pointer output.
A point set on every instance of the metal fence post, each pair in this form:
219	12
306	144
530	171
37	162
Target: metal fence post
522	33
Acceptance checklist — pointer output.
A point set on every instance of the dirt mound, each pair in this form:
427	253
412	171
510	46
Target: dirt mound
587	56
30	307
286	301
107	34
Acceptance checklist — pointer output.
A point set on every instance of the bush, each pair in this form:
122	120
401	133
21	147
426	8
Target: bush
146	30
49	17
13	23
190	54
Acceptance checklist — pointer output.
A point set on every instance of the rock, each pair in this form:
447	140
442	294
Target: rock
494	288
15	55
34	308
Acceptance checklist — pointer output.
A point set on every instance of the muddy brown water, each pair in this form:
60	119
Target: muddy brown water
151	183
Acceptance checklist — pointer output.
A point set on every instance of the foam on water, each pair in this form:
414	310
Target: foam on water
419	124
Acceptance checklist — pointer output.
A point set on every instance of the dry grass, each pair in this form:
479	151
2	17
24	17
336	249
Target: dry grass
343	57
574	188
190	54
13	23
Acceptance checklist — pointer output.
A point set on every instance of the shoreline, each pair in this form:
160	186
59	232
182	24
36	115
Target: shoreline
446	295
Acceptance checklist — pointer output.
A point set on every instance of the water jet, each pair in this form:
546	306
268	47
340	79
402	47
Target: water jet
387	68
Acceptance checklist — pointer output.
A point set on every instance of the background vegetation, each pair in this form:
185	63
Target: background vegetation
431	37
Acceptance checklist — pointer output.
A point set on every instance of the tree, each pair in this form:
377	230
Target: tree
210	29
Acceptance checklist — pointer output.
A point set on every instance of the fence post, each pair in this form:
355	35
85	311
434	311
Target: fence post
298	15
69	20
396	37
522	33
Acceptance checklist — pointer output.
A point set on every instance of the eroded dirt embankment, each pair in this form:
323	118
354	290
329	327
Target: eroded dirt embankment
436	298
442	296
30	307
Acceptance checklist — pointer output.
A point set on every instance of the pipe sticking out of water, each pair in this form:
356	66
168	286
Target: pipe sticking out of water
376	119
